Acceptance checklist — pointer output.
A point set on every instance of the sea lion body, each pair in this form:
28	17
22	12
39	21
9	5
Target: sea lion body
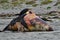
28	21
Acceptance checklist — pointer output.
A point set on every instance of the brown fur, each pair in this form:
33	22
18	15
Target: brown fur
16	27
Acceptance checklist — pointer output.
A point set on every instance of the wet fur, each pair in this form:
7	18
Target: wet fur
15	25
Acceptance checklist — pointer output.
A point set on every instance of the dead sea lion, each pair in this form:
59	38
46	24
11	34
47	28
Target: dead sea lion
27	21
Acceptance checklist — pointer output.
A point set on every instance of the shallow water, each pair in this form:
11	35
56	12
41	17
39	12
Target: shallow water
8	35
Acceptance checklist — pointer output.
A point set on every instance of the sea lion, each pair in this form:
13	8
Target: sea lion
27	21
